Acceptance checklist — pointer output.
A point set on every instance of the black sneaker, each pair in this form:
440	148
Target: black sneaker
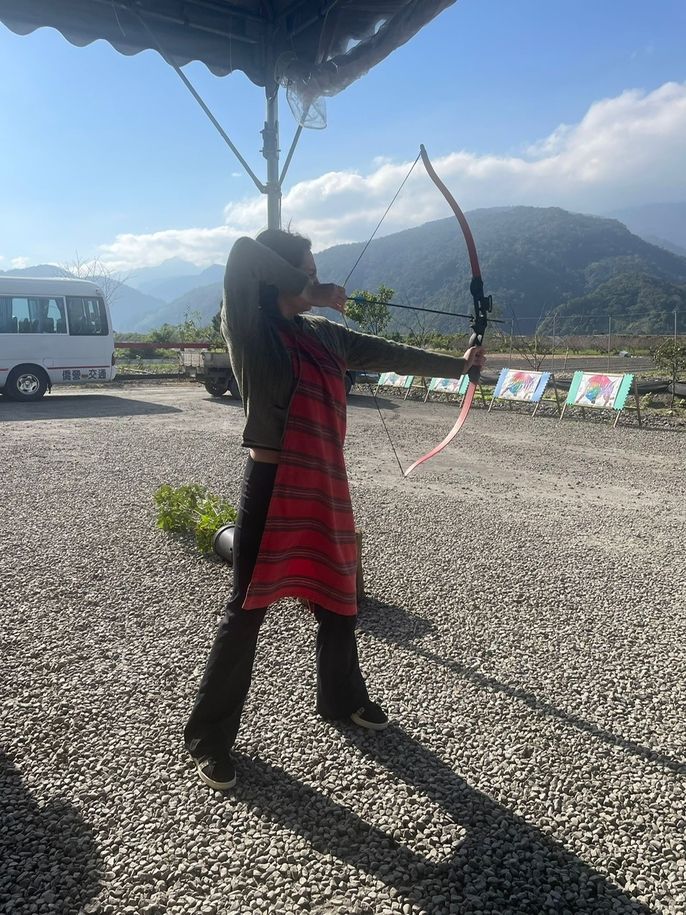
217	771
371	716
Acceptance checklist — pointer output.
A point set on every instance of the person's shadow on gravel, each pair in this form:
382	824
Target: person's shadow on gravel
49	861
502	865
393	624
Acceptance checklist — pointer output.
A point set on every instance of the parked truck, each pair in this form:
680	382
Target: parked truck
213	369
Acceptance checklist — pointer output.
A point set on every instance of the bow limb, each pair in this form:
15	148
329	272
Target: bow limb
482	306
452	203
464	411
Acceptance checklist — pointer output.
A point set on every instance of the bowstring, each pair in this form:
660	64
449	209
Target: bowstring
378	225
345	283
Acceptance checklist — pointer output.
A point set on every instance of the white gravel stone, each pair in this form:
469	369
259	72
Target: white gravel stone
524	627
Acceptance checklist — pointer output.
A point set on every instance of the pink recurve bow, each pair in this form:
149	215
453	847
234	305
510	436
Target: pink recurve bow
483	305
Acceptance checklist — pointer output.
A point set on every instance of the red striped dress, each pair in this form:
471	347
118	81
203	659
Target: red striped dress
308	548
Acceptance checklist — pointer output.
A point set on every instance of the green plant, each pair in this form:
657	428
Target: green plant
193	511
370	310
213	513
671	355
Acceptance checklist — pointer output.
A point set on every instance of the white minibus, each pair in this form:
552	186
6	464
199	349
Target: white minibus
52	331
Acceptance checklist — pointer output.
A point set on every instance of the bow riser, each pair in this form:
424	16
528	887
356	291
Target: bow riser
483	305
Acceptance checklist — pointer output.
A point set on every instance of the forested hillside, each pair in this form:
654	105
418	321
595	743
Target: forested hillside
634	303
533	261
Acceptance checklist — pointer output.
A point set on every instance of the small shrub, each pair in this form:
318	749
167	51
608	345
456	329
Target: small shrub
193	511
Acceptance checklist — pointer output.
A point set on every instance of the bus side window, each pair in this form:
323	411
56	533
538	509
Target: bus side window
77	322
87	316
8	323
16	315
52	315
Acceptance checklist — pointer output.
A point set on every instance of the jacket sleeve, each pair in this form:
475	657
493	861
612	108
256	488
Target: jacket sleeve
366	352
249	266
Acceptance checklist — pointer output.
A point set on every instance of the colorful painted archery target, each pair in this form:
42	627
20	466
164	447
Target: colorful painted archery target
391	380
599	390
523	386
449	385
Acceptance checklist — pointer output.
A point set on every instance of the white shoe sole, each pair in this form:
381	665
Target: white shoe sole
370	725
218	786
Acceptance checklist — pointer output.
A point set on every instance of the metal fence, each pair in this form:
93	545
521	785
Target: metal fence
615	348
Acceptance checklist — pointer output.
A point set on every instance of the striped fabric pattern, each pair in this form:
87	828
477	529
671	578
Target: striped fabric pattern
308	549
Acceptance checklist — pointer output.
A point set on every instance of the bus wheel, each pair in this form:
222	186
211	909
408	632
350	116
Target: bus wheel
26	382
215	388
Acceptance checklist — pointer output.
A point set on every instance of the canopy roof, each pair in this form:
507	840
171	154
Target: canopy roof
325	43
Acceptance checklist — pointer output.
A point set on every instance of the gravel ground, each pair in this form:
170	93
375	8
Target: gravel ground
524	627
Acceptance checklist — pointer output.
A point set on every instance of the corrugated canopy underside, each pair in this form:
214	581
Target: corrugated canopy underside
332	43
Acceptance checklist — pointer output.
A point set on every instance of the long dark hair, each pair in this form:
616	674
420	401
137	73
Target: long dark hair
288	245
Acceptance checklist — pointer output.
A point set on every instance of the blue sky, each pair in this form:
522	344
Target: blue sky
578	103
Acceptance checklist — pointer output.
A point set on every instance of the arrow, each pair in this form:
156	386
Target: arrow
433	311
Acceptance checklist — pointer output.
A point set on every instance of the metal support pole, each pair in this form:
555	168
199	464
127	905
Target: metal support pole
553	356
290	154
511	337
270	151
609	339
675	313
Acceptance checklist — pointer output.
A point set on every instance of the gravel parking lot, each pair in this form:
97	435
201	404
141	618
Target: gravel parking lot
524	627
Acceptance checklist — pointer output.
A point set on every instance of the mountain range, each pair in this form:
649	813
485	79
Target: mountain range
535	262
662	224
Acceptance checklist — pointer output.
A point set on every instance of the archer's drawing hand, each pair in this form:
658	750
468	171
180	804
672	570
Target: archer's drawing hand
325	295
474	356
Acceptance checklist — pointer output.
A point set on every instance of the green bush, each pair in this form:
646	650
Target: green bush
193	511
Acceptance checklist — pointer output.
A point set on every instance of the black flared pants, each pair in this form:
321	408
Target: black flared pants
216	714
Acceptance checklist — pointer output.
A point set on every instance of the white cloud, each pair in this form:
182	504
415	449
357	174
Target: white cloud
552	144
626	150
200	246
18	263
